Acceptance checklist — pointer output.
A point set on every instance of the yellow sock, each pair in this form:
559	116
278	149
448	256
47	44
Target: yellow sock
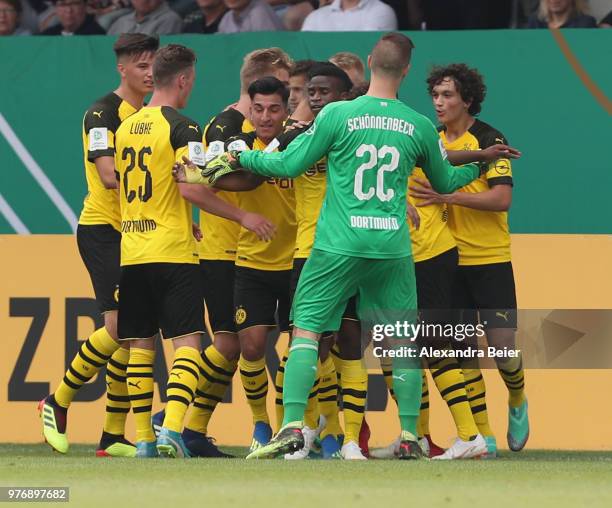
93	355
334	354
279	380
354	385
255	383
513	375
182	383
423	421
476	392
117	397
328	398
311	413
140	388
451	384
215	376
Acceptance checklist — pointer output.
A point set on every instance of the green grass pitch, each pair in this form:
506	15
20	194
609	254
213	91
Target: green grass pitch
533	478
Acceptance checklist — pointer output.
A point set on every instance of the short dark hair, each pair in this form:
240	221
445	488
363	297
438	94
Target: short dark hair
301	67
15	4
269	86
331	70
170	61
135	44
469	83
392	54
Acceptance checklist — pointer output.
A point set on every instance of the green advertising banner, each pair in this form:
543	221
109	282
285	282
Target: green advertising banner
547	92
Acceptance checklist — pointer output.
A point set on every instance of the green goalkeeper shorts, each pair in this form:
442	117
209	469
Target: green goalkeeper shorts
385	289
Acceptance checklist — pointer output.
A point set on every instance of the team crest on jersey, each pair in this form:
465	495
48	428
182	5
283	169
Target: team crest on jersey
240	316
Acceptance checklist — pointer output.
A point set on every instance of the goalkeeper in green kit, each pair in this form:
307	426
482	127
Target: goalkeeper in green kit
362	244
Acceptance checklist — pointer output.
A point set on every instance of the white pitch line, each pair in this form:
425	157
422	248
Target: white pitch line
12	218
38	174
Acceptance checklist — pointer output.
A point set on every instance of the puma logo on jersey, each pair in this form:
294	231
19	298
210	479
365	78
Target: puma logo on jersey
194	127
503	315
221	127
98	113
135	385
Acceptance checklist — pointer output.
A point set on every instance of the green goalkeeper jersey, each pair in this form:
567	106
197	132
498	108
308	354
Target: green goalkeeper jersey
372	145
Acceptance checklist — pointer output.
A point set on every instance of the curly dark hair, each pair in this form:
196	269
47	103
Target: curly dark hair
469	83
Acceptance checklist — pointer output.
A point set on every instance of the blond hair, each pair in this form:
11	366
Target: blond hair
347	60
577	7
263	62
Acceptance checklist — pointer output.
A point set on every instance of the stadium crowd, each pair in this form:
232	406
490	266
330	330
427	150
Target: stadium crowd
161	17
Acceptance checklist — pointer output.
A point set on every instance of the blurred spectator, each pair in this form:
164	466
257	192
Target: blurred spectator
74	20
293	12
207	19
151	17
108	11
249	16
351	64
562	14
10	11
607	21
466	14
297	82
351	15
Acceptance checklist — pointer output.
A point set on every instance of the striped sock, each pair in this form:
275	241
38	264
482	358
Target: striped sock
140	388
354	387
476	392
216	375
279	380
328	398
92	356
513	375
311	413
182	383
255	382
117	397
423	422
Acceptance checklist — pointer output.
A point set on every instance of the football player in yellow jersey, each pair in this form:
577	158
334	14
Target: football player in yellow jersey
98	239
478	221
217	255
160	290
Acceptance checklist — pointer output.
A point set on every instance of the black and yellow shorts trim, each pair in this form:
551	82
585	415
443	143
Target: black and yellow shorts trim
485	293
100	249
162	297
217	281
260	295
350	312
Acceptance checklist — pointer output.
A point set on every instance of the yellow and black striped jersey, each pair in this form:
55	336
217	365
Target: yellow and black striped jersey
482	236
219	235
275	200
433	236
100	123
309	194
155	219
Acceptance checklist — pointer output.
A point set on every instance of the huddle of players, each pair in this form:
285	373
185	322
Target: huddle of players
248	267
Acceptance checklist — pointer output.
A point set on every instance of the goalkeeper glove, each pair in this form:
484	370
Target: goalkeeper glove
221	165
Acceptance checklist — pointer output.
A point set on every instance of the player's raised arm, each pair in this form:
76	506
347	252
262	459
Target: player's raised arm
443	176
299	155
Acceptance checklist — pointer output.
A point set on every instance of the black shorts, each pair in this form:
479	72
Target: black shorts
487	291
434	282
258	295
298	265
217	281
162	297
100	249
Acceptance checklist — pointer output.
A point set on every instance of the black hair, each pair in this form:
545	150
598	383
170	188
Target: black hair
135	44
469	83
269	86
331	70
301	67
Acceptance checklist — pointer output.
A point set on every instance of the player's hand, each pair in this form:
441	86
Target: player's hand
413	214
219	166
261	226
197	232
425	193
187	172
494	152
298	124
